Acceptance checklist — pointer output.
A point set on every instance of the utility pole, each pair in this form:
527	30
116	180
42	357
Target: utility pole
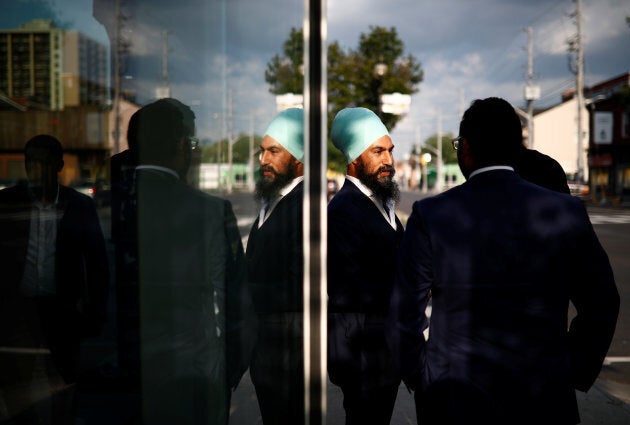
439	181
529	95
575	45
579	82
165	89
229	142
219	158
117	49
250	169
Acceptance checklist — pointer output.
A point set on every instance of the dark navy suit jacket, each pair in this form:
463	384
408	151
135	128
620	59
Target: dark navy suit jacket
195	319
275	265
82	277
362	248
502	259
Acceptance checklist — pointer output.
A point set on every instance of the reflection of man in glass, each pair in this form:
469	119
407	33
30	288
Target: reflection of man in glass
363	236
191	276
54	271
275	272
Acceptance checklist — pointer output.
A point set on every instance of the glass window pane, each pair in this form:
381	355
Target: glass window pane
157	300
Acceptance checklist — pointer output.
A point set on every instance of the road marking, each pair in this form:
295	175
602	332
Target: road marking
24	350
610	360
610	218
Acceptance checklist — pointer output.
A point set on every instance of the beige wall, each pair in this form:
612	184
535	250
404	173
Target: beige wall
555	135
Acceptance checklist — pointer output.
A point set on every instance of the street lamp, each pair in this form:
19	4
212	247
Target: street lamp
424	160
380	69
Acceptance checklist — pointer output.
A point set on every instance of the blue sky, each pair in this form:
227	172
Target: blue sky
468	49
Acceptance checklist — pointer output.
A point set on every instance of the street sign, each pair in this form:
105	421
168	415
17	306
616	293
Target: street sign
289	100
532	92
395	103
602	130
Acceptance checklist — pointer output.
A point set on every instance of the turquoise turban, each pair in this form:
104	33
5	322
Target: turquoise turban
354	130
287	128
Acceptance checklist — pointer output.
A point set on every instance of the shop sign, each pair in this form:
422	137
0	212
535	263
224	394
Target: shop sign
603	128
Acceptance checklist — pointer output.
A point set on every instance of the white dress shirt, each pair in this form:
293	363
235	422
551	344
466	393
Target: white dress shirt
389	215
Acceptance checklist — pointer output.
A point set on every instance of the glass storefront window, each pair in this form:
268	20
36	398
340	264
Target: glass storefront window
148	308
178	288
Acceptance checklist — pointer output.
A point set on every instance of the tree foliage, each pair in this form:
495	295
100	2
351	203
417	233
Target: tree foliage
240	150
352	80
449	155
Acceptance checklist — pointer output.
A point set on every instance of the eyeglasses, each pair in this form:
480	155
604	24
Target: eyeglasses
194	143
457	142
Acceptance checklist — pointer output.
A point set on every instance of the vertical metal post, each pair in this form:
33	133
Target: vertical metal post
314	220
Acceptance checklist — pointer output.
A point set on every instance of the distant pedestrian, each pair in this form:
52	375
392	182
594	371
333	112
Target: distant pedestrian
502	259
541	169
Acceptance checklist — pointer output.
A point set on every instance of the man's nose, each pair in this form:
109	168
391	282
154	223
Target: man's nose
388	158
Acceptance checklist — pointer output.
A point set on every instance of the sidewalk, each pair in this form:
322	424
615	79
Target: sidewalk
606	403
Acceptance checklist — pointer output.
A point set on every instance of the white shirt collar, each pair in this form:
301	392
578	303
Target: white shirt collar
158	168
288	188
267	208
491	168
363	188
391	216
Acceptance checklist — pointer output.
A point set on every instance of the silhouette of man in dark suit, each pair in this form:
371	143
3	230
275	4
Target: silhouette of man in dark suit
195	328
54	268
502	258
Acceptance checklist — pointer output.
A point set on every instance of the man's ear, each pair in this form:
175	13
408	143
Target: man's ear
60	166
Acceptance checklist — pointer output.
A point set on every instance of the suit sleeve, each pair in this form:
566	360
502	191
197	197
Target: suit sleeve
96	269
240	317
410	295
596	299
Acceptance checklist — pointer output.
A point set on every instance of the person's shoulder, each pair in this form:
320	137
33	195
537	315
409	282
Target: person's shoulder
70	195
210	200
444	203
543	170
347	196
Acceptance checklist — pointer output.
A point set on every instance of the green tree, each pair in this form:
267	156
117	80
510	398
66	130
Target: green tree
240	150
449	155
352	80
285	72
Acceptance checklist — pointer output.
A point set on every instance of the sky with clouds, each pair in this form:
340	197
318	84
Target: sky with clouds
218	51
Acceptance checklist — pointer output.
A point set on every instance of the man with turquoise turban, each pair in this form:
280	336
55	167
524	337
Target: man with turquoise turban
275	268
363	236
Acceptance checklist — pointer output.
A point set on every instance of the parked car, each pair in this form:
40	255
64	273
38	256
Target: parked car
99	191
581	190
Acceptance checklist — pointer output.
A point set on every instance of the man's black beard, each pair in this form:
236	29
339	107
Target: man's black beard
267	190
385	188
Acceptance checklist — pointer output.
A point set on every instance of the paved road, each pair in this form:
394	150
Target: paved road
602	405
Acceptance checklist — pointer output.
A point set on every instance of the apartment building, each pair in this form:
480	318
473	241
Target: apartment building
48	68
